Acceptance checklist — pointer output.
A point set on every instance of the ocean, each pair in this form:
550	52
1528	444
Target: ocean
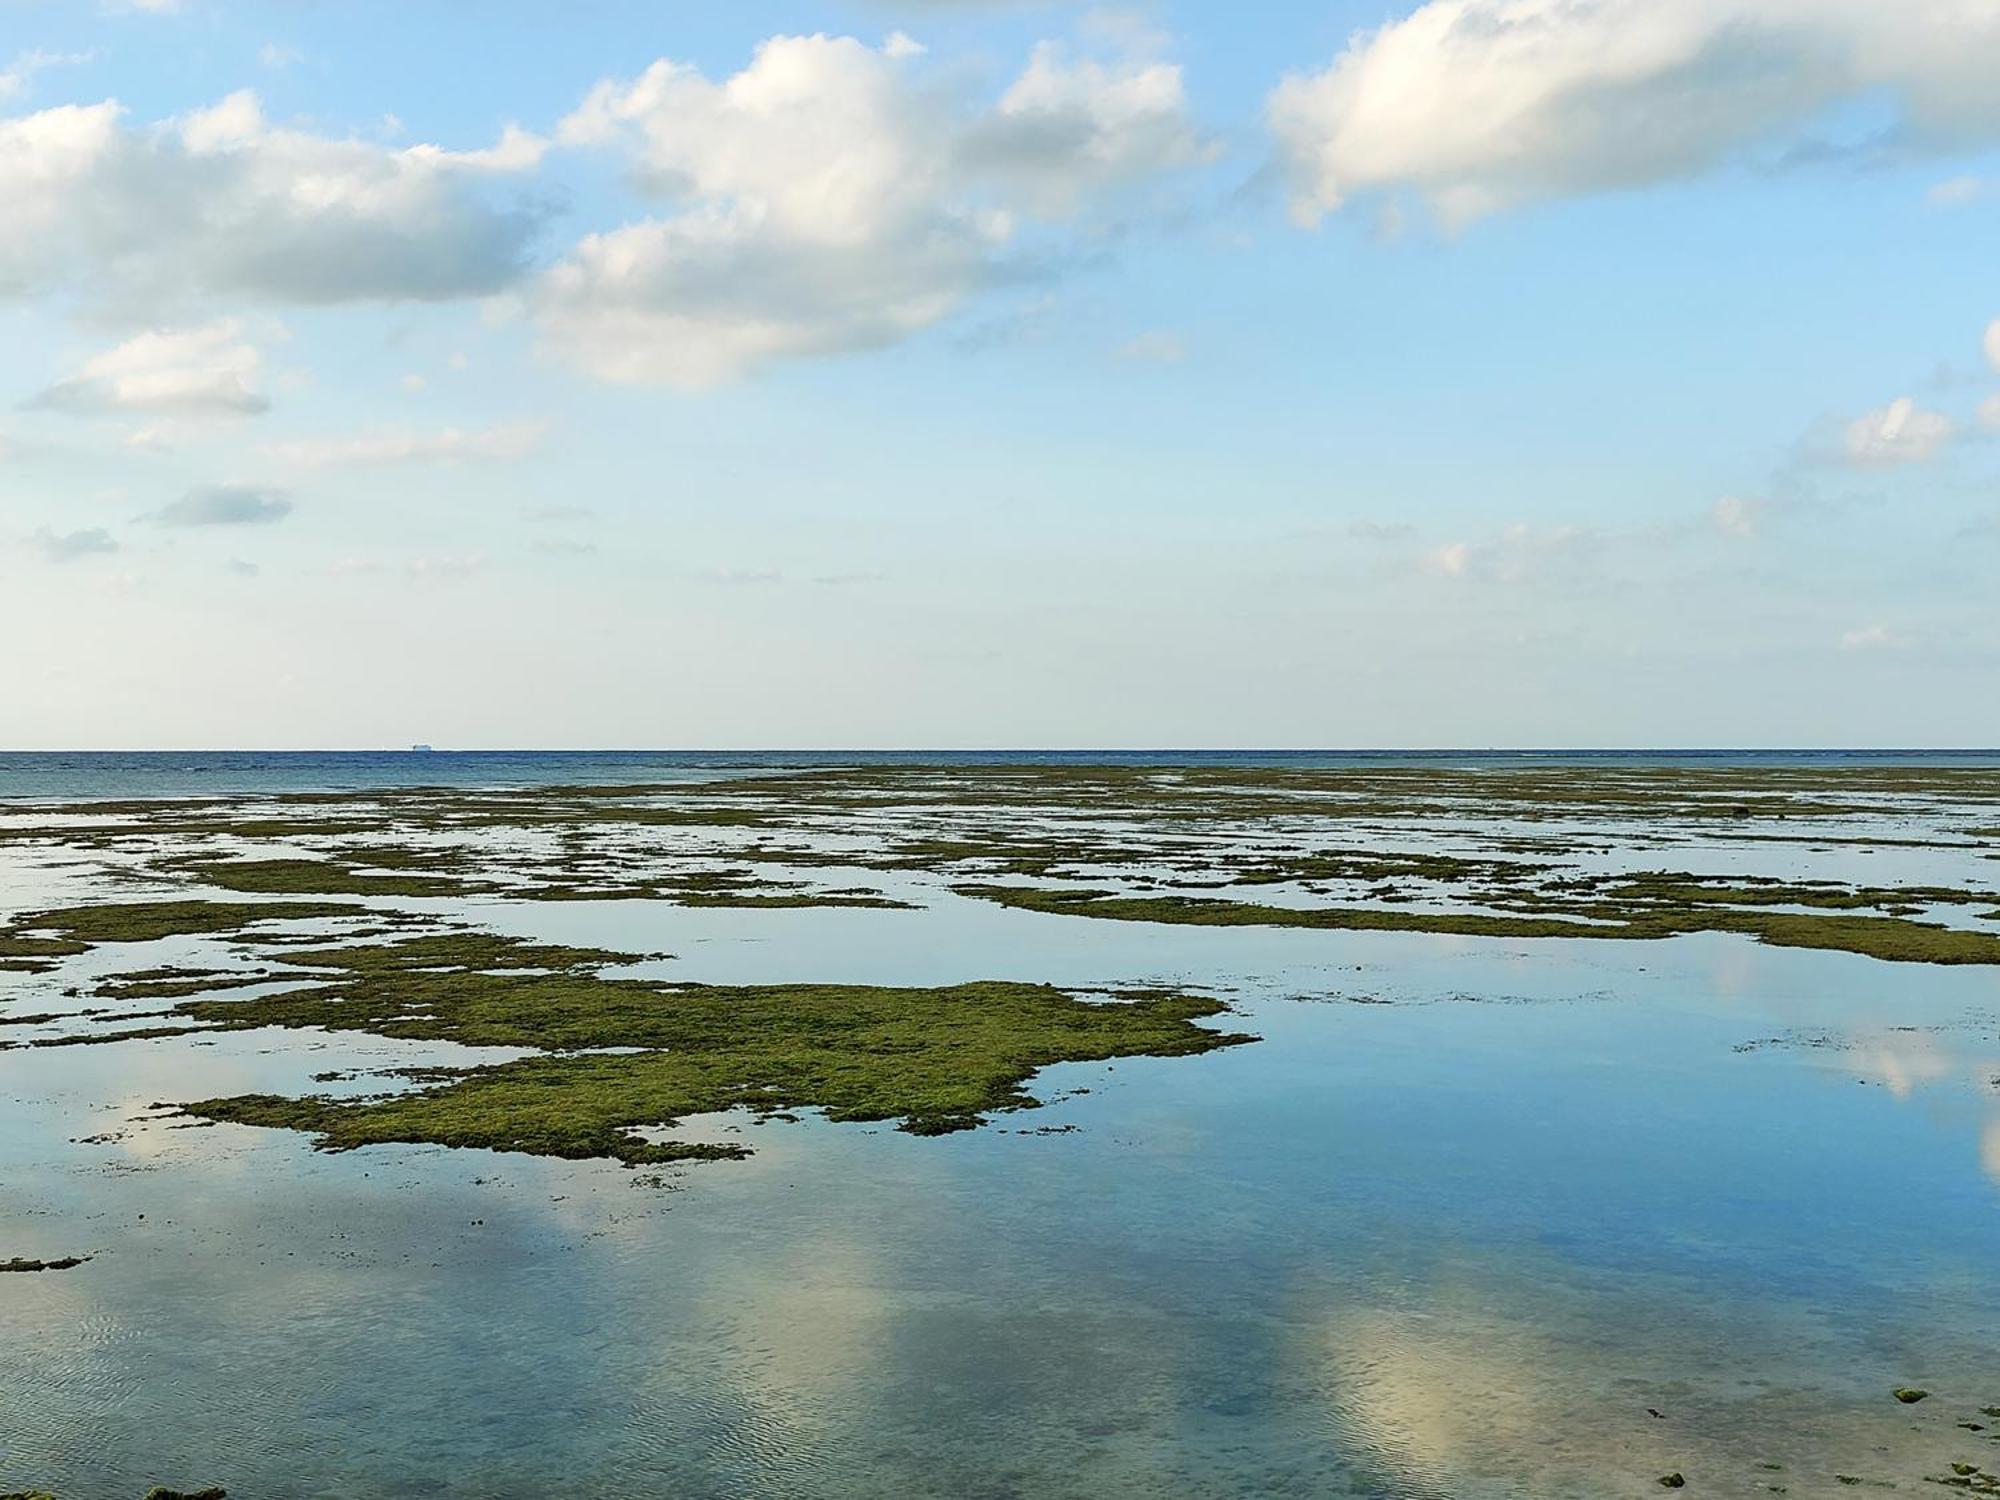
64	774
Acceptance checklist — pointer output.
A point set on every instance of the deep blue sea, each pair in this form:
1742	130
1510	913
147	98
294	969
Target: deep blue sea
182	773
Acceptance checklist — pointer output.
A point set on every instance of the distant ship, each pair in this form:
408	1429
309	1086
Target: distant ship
421	749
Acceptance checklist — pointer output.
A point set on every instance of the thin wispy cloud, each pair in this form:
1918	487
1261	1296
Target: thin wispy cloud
1875	637
226	505
69	546
17	78
401	445
1155	348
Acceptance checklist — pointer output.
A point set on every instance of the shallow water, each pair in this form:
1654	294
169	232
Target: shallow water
1468	1210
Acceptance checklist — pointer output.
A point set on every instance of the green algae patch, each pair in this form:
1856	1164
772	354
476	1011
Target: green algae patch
1490	852
78	928
1198	911
173	982
1891	938
24	954
313	877
750	901
612	1058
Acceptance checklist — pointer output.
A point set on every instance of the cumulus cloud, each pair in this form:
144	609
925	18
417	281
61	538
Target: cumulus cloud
1479	105
816	216
221	203
68	546
823	200
211	370
1989	414
402	445
226	505
1900	433
1992	343
1067	128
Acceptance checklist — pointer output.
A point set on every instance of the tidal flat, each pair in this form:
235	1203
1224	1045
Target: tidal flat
1008	1129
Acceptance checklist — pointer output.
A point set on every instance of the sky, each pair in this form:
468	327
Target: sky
936	373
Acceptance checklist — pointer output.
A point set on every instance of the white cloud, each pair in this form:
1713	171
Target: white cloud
154	437
1900	433
1518	553
816	218
1736	517
1157	347
1956	190
462	565
220	203
19	74
1876	637
1992	343
1479	105
1989	414
401	445
741	577
210	370
1448	561
824	200
434	569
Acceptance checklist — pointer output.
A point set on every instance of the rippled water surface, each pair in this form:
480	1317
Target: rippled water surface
1475	1217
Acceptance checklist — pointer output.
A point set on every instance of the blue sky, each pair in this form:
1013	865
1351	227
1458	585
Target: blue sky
1479	372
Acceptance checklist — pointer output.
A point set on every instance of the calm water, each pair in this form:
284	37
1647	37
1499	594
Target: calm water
1469	1210
178	773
